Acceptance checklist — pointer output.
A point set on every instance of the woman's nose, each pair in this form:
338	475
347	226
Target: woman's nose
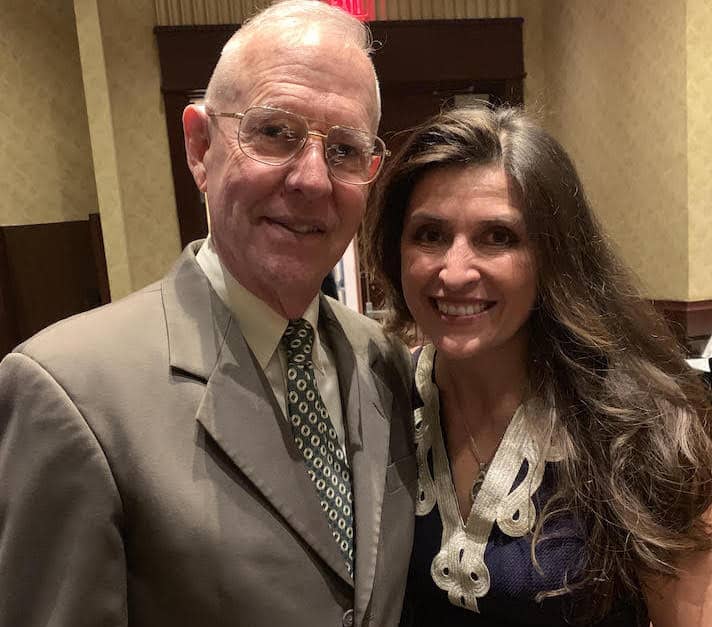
460	265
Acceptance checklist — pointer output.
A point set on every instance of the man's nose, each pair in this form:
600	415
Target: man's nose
460	265
309	173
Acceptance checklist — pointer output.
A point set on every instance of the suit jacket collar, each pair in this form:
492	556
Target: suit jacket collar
196	319
241	415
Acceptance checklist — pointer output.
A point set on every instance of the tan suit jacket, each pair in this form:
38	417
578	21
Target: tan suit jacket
148	477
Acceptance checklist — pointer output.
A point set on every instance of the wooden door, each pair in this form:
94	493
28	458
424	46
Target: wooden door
420	64
49	272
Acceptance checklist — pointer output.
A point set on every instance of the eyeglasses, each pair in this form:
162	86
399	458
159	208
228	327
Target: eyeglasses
275	137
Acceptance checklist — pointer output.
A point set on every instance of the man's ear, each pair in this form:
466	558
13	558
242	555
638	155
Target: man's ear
197	142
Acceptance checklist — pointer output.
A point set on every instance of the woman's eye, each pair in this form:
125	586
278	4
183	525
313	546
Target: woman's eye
501	237
428	235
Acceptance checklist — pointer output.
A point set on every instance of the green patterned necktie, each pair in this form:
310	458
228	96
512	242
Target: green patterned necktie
316	439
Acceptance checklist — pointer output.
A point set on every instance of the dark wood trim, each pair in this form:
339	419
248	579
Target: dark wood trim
184	77
426	57
48	271
96	238
192	219
475	50
9	335
188	54
185	28
690	320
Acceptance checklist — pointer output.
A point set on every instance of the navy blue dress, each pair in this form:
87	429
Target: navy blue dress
510	600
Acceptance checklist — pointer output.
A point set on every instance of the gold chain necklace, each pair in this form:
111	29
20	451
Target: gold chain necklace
483	466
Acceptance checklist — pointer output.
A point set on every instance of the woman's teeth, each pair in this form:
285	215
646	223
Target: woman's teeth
451	309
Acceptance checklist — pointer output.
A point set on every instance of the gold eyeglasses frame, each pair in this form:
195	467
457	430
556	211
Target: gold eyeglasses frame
309	132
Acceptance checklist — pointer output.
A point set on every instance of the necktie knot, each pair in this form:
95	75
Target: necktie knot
298	341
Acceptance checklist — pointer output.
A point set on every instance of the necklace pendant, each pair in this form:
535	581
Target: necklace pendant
479	480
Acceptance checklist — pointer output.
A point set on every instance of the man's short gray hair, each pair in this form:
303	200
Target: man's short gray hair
287	20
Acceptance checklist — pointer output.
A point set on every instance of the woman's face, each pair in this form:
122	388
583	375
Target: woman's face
467	267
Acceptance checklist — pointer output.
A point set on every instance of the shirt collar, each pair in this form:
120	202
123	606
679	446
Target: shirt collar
261	326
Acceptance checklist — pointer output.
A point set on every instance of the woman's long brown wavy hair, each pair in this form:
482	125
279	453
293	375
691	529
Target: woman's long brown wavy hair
633	419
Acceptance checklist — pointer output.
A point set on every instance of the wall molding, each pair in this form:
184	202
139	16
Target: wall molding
195	12
691	321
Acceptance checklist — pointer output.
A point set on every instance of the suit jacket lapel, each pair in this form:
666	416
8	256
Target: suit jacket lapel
238	409
366	404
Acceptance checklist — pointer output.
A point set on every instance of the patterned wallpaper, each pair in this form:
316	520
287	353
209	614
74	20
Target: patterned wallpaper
610	79
171	12
45	156
624	85
101	129
128	130
147	196
175	12
617	99
699	146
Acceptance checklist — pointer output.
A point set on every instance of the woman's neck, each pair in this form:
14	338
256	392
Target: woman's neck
486	388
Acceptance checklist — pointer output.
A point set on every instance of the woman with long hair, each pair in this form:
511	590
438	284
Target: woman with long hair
564	447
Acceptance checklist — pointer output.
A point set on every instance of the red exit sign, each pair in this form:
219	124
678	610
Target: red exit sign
363	10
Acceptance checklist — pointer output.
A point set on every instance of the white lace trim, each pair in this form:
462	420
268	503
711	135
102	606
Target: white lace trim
459	567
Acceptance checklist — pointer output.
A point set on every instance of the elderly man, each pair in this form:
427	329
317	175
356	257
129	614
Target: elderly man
225	447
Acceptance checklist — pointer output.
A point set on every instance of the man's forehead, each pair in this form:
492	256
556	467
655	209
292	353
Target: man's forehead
307	74
313	36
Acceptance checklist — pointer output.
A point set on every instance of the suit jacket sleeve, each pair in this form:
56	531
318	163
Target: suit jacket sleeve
62	559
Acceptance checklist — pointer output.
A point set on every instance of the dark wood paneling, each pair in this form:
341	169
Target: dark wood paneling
689	321
192	220
408	51
188	54
9	336
421	65
421	51
52	273
405	105
96	240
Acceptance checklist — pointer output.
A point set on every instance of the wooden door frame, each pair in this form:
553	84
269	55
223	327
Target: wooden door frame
8	324
188	55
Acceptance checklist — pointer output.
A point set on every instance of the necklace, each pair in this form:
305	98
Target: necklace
483	466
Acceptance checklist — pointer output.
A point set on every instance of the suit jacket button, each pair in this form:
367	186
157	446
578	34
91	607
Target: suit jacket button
347	620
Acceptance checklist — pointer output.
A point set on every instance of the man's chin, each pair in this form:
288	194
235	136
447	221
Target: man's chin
293	287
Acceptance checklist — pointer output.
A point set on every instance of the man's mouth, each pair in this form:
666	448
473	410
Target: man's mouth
450	308
300	228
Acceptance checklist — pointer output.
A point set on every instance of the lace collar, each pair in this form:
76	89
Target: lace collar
459	567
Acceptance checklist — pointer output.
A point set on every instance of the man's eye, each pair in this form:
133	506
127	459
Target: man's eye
279	131
340	152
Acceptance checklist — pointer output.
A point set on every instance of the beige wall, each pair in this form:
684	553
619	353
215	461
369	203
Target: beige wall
45	156
133	71
172	12
699	146
625	86
130	147
616	97
52	167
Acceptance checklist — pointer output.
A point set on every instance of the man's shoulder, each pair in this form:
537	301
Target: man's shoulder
128	323
357	327
366	334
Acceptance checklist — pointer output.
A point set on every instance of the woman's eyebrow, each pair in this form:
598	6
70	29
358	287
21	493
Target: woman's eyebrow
510	220
424	216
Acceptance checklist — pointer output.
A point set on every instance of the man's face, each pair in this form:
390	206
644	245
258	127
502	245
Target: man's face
280	229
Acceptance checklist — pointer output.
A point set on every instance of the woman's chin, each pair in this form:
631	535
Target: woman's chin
457	348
